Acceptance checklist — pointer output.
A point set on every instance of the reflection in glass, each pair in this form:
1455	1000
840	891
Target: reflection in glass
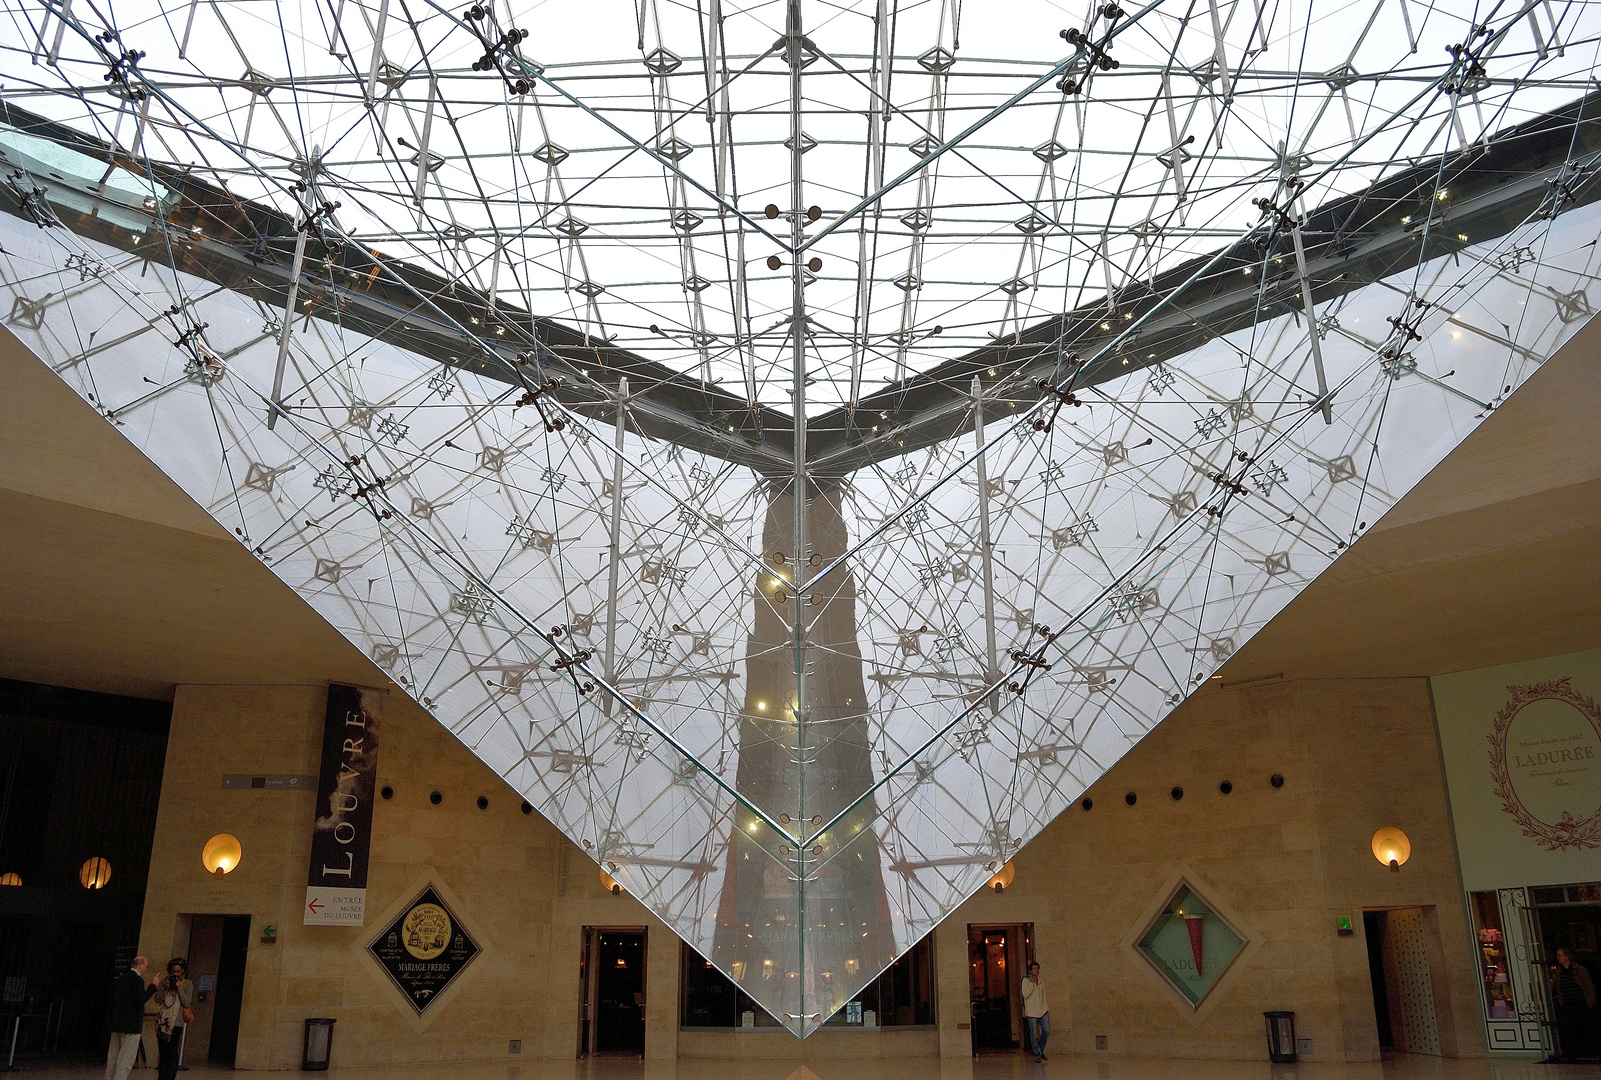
903	996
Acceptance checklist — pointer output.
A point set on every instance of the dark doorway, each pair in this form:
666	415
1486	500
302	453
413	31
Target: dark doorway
231	956
1373	928
1570	919
80	780
997	957
612	971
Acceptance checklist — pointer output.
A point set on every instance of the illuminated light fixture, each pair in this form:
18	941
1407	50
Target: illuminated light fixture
1391	847
1003	877
95	874
10	878
611	884
221	854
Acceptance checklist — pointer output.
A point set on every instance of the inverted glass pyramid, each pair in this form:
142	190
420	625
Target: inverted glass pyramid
800	565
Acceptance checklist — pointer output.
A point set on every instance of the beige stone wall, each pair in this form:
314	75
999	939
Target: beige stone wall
1282	864
498	867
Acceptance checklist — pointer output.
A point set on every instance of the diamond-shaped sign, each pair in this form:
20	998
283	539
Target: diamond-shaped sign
424	949
1190	945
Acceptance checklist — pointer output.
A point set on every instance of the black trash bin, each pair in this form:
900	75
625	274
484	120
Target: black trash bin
319	1043
1280	1036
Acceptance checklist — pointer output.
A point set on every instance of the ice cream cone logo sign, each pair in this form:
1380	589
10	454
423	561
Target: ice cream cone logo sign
1545	764
1190	944
1195	924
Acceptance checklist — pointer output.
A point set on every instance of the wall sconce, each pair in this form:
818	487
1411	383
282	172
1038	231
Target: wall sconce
95	874
611	884
10	878
221	854
1003	877
1391	847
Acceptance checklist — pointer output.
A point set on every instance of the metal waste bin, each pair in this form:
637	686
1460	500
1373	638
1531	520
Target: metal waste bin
1280	1036
319	1043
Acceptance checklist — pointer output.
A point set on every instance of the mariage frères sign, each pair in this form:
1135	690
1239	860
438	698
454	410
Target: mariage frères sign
341	835
424	949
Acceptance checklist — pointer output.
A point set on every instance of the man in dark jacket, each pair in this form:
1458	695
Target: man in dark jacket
1574	992
128	996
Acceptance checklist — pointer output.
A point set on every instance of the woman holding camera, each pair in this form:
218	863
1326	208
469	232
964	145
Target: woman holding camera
175	994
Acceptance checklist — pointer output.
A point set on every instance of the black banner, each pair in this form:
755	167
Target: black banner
341	836
424	949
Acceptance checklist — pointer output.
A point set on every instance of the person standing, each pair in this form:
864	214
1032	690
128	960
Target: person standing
128	996
1036	1012
1574	991
175	996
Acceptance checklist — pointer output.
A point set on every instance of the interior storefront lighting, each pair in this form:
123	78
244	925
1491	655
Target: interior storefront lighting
10	878
95	873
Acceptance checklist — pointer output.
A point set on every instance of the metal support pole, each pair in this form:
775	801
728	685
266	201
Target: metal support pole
422	149
798	353
11	1061
1175	155
615	567
287	328
1311	326
377	51
986	551
1222	58
188	26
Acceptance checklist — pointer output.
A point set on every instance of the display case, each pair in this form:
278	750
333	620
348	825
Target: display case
1493	974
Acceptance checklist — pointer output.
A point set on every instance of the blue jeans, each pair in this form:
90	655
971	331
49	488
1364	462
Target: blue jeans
1039	1029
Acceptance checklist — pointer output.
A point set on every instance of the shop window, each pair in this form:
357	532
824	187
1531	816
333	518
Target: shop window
1493	976
903	996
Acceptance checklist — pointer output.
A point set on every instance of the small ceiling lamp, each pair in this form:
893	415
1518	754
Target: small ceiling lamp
1003	877
95	874
221	854
1391	847
10	878
611	884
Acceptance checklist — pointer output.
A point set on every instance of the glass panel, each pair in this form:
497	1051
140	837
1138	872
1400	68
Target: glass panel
1494	977
1191	945
903	996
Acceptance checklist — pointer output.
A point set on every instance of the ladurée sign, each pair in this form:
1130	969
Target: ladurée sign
341	834
1545	764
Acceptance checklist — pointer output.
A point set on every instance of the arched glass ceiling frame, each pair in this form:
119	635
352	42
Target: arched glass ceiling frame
497	334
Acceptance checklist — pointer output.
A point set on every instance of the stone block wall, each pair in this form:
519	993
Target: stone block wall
1281	863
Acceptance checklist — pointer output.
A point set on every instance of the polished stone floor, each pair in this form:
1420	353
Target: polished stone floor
1011	1067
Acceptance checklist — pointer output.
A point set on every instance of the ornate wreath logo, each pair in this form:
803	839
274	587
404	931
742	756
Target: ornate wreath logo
1569	832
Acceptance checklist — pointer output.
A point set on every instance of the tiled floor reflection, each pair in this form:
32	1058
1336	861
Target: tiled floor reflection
1395	1067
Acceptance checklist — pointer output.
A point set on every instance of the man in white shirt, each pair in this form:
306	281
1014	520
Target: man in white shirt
1036	1012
